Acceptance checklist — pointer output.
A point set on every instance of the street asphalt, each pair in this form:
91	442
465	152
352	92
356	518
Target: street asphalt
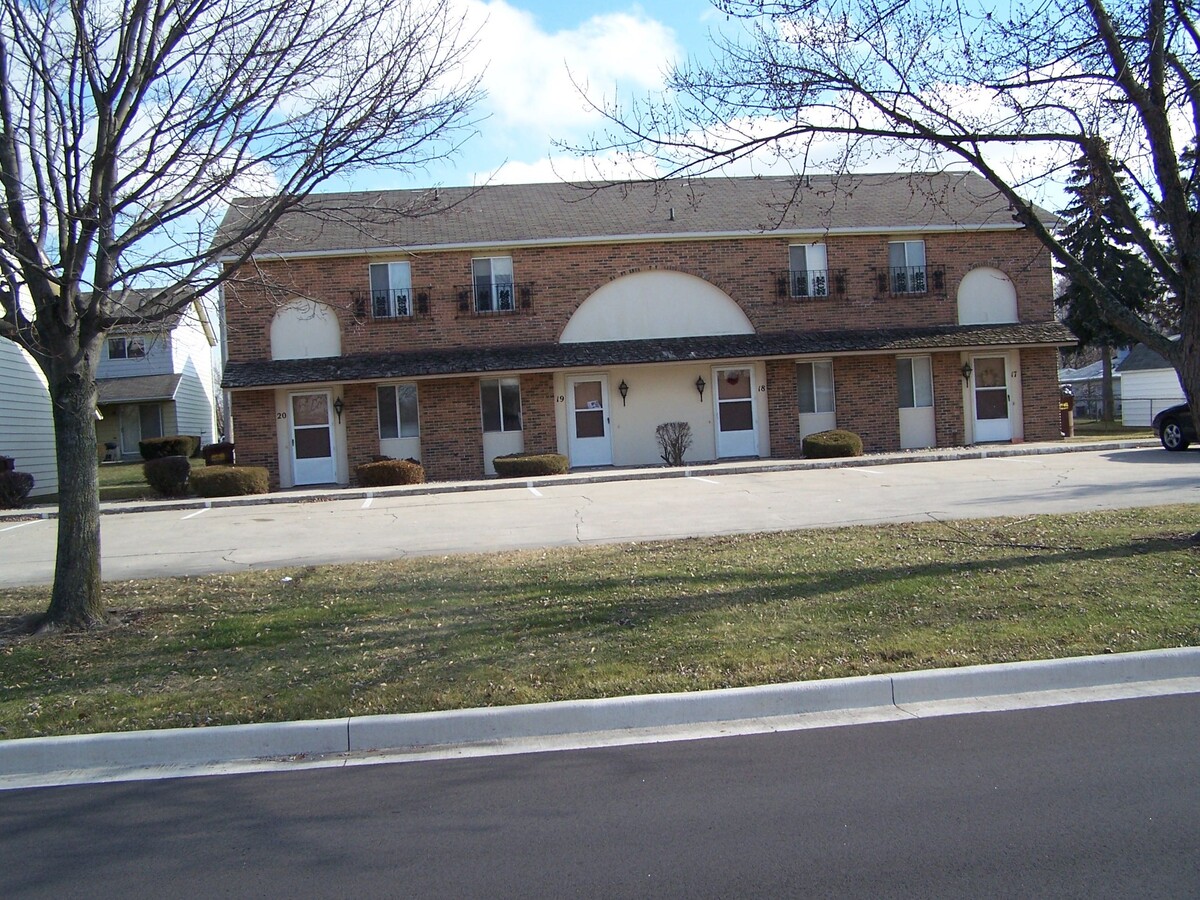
364	740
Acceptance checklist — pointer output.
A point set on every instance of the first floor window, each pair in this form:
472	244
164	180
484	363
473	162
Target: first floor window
492	277
809	270
500	400
398	411
391	290
906	261
914	382
814	386
127	347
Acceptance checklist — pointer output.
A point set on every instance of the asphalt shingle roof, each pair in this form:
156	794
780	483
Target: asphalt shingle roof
540	357
136	388
559	212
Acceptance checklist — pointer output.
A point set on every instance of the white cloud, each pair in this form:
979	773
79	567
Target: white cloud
532	75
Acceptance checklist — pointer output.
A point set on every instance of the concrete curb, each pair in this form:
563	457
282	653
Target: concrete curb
607	475
416	732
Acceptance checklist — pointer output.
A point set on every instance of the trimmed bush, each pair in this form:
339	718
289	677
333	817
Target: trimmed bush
521	465
171	445
168	475
230	481
387	472
832	444
14	488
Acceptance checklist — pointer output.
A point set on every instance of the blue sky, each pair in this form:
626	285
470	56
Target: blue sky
528	51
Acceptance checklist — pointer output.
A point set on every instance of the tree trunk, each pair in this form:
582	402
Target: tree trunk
1108	406
75	600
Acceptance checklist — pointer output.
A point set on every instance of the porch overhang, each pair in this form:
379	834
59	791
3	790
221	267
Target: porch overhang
556	357
136	389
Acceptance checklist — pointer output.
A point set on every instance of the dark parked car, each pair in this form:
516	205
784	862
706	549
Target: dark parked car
1175	428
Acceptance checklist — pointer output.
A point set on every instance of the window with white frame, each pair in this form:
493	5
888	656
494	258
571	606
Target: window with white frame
906	267
814	386
914	382
398	411
492	279
808	270
133	347
391	290
500	402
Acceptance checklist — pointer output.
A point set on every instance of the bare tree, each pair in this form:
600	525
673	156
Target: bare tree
128	126
1018	91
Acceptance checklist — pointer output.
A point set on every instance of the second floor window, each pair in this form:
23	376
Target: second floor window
127	347
808	270
906	266
492	279
391	290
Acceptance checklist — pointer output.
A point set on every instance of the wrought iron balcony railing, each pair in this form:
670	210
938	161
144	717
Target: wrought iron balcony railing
910	279
391	304
811	283
504	297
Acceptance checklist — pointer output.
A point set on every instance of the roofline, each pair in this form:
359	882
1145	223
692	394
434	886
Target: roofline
627	239
499	373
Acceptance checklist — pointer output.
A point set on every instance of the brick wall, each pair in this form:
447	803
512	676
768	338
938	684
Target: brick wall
361	418
254	435
563	277
783	408
948	399
1039	394
451	429
865	395
537	413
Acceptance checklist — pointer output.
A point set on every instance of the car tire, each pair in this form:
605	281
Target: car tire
1172	435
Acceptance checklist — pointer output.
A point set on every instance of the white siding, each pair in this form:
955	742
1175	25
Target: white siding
26	421
1146	392
194	412
157	361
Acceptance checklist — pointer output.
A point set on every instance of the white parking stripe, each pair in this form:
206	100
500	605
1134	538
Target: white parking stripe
367	503
198	512
705	480
21	525
534	491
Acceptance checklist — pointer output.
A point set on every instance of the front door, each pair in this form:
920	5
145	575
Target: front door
590	436
312	439
734	397
137	423
991	399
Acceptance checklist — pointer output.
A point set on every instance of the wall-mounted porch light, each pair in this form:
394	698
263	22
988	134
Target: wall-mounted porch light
700	386
623	390
338	406
966	371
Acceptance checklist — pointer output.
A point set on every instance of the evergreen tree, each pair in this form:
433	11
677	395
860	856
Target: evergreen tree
1093	232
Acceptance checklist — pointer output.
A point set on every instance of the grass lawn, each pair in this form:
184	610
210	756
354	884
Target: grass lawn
1094	429
465	631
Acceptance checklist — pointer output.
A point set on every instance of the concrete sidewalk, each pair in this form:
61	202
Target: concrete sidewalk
591	476
360	740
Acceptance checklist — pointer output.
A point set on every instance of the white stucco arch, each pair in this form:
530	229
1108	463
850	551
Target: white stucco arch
305	329
986	297
655	305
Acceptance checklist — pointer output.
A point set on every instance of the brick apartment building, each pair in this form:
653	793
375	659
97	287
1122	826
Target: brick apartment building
457	325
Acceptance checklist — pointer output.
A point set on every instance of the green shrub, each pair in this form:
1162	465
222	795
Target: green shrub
14	488
168	475
832	444
386	472
230	481
171	445
521	465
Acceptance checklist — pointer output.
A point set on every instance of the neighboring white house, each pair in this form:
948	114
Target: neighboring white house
156	380
26	421
1148	386
1087	386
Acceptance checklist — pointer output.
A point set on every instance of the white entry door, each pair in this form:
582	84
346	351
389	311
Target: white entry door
588	426
737	432
991	399
312	439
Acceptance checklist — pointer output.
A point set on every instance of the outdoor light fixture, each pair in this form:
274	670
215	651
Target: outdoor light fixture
338	406
966	371
700	386
623	388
